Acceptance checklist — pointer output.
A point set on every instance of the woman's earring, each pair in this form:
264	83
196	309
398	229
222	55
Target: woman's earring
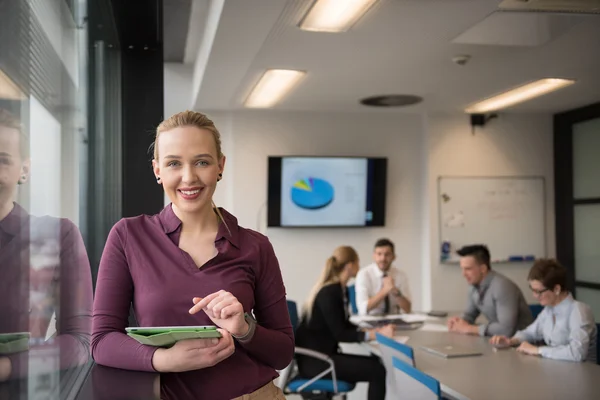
158	179
220	177
22	180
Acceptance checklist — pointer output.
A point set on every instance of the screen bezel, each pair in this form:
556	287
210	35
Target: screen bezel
378	189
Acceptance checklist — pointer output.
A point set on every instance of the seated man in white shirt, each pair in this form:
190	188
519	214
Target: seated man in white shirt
380	287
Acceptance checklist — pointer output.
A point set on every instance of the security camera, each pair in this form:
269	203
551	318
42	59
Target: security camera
461	59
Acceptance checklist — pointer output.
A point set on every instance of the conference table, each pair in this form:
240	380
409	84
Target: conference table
496	374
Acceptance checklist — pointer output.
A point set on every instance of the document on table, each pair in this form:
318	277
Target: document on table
408	318
434	327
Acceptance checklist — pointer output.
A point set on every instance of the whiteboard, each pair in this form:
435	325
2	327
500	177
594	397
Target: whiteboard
505	213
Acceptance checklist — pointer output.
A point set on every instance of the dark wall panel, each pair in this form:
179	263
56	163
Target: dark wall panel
142	111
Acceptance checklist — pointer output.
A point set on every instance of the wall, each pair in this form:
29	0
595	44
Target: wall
508	146
419	148
249	137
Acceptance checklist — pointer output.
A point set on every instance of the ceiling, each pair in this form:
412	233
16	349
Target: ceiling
399	47
176	20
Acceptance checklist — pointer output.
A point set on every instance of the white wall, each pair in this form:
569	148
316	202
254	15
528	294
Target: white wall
249	137
178	90
420	148
509	146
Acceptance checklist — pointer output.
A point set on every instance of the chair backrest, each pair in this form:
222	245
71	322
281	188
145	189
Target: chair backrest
352	298
598	344
293	311
535	309
414	384
389	349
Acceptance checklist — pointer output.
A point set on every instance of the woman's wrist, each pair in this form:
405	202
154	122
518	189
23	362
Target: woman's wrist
5	368
160	360
243	331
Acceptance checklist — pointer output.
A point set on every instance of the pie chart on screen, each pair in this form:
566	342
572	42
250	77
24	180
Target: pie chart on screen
312	193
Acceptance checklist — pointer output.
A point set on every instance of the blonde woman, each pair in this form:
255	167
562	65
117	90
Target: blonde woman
325	323
192	264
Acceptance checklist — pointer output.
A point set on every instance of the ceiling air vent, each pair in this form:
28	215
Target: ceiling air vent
553	6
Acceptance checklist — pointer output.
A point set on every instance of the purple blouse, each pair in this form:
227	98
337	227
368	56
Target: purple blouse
45	270
142	264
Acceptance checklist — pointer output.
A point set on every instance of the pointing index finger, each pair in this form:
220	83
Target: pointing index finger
203	302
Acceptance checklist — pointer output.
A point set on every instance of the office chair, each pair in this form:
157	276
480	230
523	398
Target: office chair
314	388
598	344
352	298
415	384
536	309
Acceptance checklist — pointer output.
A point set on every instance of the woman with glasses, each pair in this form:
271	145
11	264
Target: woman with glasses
565	329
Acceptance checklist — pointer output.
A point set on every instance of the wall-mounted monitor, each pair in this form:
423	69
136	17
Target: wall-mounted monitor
326	191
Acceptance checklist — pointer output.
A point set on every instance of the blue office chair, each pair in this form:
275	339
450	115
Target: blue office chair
390	348
536	309
415	384
352	298
315	386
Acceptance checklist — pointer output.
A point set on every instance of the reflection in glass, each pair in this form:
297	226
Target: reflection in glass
587	242
586	163
46	287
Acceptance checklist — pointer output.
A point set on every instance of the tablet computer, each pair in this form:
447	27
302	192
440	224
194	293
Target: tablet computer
14	342
166	336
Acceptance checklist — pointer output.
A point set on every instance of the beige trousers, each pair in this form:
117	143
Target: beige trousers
267	392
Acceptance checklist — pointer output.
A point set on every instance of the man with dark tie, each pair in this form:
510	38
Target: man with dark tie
492	294
381	288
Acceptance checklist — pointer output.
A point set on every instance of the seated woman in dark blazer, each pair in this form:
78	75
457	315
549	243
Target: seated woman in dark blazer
325	323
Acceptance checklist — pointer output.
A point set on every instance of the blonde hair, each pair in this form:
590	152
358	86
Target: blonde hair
8	120
188	118
331	274
197	120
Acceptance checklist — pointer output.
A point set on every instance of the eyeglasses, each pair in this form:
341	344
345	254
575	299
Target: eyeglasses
538	292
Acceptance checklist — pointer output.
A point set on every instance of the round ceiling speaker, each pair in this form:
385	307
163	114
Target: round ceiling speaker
391	100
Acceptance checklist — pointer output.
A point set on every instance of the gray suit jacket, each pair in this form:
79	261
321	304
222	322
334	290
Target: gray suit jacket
501	302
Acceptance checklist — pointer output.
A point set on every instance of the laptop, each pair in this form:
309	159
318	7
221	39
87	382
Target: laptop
451	351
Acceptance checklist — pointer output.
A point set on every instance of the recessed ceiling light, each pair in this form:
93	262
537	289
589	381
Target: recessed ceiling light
334	15
272	87
9	90
391	100
519	95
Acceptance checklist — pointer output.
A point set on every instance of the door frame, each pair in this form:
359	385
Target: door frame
564	202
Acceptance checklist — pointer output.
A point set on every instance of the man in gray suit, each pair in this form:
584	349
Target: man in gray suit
491	294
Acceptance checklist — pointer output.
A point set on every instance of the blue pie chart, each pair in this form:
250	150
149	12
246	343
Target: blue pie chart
312	193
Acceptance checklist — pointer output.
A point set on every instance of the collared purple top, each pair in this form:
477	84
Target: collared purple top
142	264
45	270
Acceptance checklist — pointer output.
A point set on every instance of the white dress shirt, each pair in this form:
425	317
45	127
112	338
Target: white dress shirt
369	282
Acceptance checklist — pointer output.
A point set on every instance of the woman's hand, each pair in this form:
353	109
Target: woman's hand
5	368
192	354
528	348
386	330
224	310
500	341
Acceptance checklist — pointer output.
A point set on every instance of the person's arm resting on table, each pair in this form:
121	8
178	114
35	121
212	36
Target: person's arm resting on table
524	338
581	323
466	323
